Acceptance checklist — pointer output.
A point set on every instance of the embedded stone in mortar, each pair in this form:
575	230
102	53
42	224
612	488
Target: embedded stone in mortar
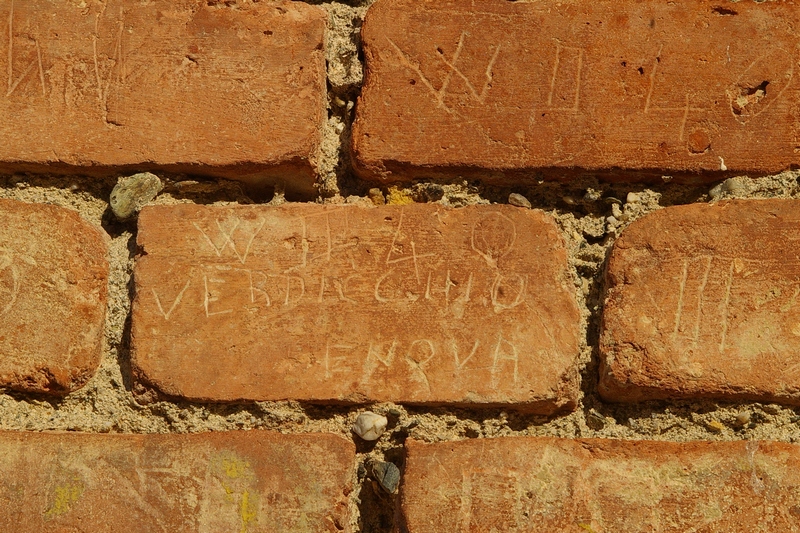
134	192
387	474
370	426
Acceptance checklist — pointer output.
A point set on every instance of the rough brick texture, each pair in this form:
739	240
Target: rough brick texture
96	87
547	484
702	302
53	282
418	303
250	482
500	89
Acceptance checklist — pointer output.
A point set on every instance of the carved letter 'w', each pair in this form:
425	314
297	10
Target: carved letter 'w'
440	93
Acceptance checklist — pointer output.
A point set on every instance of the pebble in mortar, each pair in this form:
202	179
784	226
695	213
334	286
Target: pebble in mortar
369	425
134	192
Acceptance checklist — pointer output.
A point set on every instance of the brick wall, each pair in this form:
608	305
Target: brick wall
549	245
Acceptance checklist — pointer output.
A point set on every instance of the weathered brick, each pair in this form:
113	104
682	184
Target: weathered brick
249	481
702	302
544	485
419	303
53	282
507	88
99	87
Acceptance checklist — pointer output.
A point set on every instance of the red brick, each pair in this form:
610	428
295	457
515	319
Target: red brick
508	88
100	87
53	282
419	304
702	302
249	482
544	485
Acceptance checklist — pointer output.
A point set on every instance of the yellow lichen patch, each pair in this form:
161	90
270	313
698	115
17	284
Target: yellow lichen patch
237	478
716	426
587	527
398	196
248	511
234	467
64	497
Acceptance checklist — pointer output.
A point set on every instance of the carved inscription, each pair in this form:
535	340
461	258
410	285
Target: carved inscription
205	483
426	293
746	99
490	500
545	484
26	52
702	309
439	95
523	86
71	78
705	288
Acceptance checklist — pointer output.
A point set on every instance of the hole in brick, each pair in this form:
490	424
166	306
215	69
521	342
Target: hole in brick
724	11
267	32
413	82
748	96
624	63
699	141
641	70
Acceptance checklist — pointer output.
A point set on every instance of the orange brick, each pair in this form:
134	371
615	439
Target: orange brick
251	481
53	282
100	87
542	485
507	91
702	302
420	304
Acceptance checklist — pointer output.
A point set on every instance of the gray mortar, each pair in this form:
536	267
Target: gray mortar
582	210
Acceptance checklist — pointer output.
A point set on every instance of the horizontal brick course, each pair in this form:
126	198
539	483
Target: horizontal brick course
53	284
702	302
251	482
635	91
420	304
547	484
179	86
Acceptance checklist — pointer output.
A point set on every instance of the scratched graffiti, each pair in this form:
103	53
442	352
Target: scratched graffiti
357	296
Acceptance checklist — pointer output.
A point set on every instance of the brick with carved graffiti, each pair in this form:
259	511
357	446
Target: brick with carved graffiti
245	481
509	92
542	485
703	302
95	87
420	304
53	278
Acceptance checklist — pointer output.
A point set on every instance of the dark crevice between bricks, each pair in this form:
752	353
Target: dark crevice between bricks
341	104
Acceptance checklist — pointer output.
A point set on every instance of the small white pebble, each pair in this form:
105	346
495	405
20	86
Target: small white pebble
370	426
632	198
743	418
